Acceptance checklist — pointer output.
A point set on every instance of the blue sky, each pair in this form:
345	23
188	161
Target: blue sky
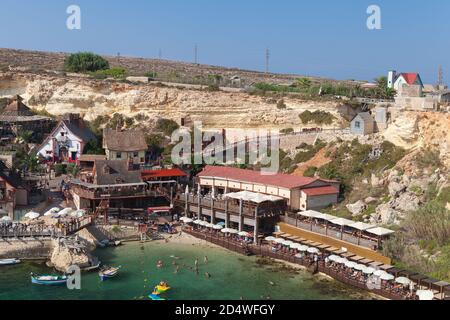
327	38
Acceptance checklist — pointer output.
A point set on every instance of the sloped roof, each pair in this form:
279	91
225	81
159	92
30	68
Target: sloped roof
109	172
127	141
163	173
321	191
410	77
84	133
278	180
366	116
16	111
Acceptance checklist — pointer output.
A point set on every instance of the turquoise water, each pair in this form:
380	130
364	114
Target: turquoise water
232	276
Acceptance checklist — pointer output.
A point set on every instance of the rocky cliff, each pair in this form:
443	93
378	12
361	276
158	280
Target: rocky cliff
216	109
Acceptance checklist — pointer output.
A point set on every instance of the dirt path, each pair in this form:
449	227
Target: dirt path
317	161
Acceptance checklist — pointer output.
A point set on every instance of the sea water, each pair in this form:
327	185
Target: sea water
232	277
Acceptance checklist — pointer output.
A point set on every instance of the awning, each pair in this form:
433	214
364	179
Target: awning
342	222
362	226
252	197
380	231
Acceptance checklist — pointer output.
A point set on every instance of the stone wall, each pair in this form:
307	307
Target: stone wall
30	249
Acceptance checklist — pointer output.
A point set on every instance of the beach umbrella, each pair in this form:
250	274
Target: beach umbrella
55	210
341	260
332	258
221	224
217	227
368	270
313	250
203	223
287	243
279	240
198	221
299	255
387	277
225	230
270	238
403	280
244	234
350	264
6	219
295	245
360	267
425	294
65	212
78	214
233	231
379	273
32	215
188	220
303	248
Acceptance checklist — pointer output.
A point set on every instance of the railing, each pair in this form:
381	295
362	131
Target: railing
124	192
217	205
265	251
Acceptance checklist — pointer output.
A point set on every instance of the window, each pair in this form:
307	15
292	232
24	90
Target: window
142	160
357	124
119	155
62	134
136	154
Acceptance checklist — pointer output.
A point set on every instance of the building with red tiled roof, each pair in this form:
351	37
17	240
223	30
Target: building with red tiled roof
163	174
228	179
398	80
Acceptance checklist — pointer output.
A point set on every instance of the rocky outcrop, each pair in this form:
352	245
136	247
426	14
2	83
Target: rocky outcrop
217	109
67	253
357	208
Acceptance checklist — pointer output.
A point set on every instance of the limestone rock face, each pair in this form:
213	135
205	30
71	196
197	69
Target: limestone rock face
386	215
62	258
357	208
395	188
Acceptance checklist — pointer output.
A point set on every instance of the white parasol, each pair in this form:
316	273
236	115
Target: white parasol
403	280
368	270
387	277
379	273
279	240
359	267
303	248
244	234
217	227
287	243
270	238
350	264
313	250
425	294
32	215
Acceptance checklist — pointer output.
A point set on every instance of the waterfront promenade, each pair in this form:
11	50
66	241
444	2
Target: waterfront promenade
321	262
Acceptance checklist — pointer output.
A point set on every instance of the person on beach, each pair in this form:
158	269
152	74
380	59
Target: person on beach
196	263
177	269
159	264
206	259
207	275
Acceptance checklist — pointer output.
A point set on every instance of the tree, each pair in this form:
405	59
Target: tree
382	88
85	62
29	163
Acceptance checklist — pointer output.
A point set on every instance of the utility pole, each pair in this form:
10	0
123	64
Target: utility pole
196	54
267	60
440	76
118	57
160	54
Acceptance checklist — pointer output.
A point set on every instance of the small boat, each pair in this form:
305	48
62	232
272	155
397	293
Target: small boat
117	243
49	280
156	297
8	262
108	273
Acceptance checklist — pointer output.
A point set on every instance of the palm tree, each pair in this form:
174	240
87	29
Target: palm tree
30	163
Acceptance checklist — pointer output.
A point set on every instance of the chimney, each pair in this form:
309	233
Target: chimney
391	78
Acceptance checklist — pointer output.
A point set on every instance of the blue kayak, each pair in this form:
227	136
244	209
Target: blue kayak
156	297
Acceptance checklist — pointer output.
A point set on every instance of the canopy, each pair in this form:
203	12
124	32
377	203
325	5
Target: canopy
386	276
359	267
252	197
403	280
303	248
6	219
379	273
244	234
368	270
32	215
309	214
342	222
217	227
425	294
332	258
380	231
279	240
295	245
341	260
270	238
350	264
287	243
362	226
65	212
313	250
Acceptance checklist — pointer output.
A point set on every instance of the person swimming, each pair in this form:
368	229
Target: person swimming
206	259
159	264
207	275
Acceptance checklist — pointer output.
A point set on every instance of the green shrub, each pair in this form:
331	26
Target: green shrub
60	169
310	172
151	75
281	104
116	73
166	126
287	131
318	117
85	62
